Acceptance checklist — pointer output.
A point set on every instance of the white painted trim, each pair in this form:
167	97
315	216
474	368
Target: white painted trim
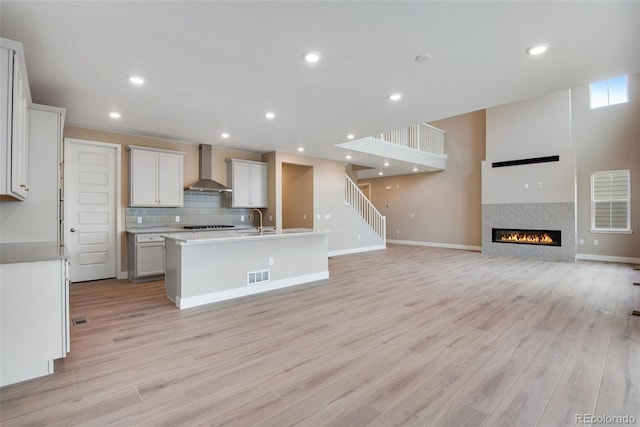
607	258
357	250
119	208
437	245
123	275
209	298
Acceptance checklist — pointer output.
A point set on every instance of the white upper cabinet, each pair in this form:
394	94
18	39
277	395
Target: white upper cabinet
14	122
157	177
249	181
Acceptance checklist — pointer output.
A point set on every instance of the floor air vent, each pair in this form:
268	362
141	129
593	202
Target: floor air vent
79	320
255	277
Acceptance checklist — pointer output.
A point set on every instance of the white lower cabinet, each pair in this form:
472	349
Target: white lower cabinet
146	256
34	318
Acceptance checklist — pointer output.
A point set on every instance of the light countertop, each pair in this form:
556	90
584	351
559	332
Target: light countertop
238	235
11	253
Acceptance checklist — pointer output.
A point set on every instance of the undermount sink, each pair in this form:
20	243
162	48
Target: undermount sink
256	232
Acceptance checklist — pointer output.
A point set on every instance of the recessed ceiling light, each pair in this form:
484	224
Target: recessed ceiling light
537	49
301	149
312	57
415	169
114	115
386	162
136	80
225	135
351	136
269	114
348	156
422	57
395	96
380	173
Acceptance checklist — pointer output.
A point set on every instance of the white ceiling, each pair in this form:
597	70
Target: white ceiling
213	67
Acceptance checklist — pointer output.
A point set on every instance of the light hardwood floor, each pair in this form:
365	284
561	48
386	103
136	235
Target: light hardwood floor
406	336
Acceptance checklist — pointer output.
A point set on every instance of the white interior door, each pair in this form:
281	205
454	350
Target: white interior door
90	177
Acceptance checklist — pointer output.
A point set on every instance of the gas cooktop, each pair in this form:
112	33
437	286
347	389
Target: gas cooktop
208	227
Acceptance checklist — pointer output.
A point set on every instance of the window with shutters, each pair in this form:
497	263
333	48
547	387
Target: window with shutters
611	201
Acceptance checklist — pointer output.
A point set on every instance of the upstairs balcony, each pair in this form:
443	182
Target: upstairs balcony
417	148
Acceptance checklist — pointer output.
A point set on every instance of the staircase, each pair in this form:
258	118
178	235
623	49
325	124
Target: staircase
355	198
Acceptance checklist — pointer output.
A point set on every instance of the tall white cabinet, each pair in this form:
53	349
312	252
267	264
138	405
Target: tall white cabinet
157	178
38	218
249	181
15	99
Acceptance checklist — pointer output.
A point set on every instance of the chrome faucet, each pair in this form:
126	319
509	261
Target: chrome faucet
260	212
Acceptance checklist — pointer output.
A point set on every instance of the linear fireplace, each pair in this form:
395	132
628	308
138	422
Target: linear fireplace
526	236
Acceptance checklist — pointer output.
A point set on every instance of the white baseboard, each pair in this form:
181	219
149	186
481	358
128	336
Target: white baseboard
357	250
209	298
123	275
606	258
437	245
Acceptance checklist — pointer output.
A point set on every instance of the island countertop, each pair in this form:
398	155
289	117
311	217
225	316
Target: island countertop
186	239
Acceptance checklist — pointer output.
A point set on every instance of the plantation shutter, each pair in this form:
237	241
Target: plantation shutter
610	198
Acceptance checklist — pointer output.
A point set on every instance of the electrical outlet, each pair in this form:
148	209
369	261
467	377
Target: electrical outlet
139	220
397	231
595	242
271	261
270	217
318	216
327	216
539	185
177	218
581	241
241	217
304	216
526	185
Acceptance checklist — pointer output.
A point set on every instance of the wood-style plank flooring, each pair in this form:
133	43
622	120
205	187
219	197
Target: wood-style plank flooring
401	337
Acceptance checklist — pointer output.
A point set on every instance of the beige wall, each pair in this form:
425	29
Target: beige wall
191	163
347	232
297	196
607	138
440	207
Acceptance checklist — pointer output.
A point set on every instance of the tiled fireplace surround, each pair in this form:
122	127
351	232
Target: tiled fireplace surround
533	216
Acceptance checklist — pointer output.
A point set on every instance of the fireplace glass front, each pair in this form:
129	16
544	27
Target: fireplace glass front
526	237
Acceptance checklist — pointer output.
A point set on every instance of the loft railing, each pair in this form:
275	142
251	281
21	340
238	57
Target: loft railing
421	137
358	201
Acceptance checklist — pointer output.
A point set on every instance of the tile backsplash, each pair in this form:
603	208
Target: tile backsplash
200	208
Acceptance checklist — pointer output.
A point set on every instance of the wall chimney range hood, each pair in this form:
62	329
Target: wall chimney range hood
205	183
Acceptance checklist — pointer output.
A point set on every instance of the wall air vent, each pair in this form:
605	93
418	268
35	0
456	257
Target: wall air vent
256	277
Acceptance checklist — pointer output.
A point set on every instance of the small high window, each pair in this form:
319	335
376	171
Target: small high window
609	92
611	201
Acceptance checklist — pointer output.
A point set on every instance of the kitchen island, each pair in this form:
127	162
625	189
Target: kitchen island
215	266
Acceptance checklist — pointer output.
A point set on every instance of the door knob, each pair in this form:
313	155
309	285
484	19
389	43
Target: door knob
73	230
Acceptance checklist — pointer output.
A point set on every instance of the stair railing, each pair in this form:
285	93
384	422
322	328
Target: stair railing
363	206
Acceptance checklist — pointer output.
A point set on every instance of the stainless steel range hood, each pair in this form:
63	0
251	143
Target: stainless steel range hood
205	183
